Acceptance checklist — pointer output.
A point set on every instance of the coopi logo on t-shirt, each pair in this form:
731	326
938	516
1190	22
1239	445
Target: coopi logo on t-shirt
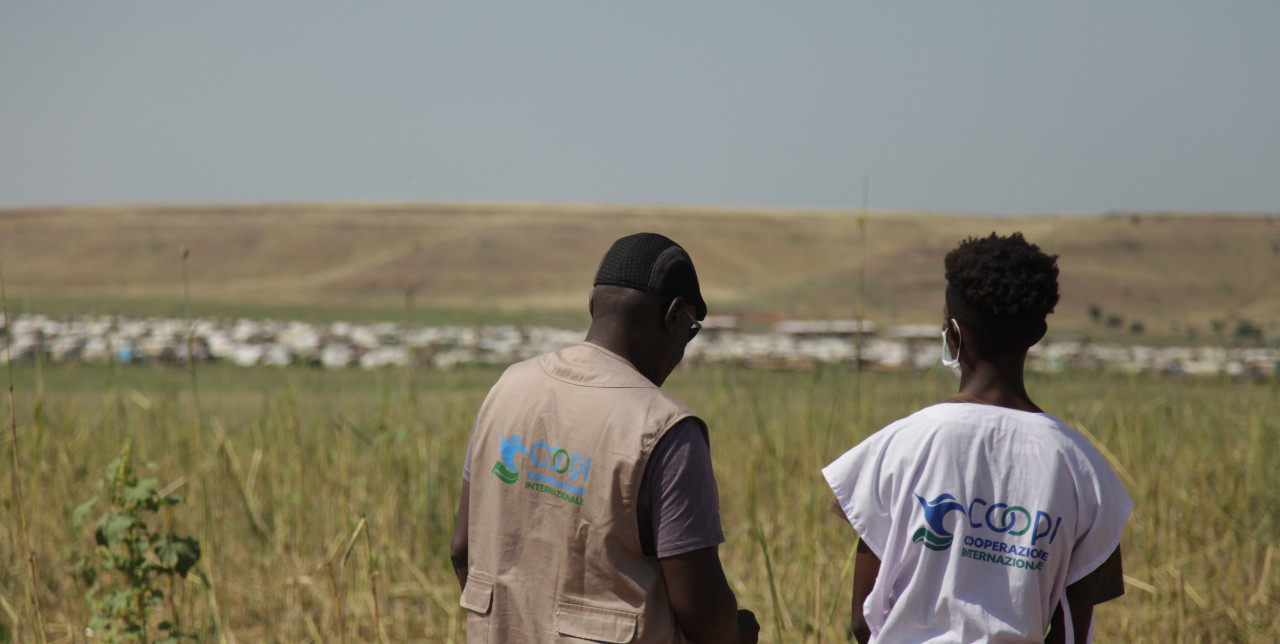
1007	524
551	461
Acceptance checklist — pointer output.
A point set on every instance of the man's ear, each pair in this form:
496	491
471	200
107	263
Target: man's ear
955	336
591	303
674	315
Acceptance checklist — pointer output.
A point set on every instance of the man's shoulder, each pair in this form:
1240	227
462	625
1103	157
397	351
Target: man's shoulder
949	425
591	366
981	416
923	421
516	371
685	429
540	364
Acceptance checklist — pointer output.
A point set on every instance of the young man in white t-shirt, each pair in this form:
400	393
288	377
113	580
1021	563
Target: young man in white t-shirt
982	518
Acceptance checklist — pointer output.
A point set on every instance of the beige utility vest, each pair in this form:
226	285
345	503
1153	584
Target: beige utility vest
559	450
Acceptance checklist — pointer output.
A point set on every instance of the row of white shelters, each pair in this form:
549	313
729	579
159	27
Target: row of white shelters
337	345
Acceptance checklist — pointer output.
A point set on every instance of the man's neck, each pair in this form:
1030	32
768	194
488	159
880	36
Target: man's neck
1000	385
621	345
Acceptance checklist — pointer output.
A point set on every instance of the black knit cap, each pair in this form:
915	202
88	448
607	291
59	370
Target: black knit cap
654	264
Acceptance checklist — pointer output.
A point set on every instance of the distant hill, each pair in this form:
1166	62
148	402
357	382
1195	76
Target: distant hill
1170	274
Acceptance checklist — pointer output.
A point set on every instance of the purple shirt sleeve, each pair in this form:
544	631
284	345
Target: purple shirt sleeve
678	506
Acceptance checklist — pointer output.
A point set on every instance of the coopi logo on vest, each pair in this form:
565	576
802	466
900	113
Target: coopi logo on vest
996	519
544	457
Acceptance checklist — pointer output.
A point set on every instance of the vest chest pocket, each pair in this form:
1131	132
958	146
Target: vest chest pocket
595	624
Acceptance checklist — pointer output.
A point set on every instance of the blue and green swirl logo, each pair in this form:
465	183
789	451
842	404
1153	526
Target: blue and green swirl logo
936	536
505	467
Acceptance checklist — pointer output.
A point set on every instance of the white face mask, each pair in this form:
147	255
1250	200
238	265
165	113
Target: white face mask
949	361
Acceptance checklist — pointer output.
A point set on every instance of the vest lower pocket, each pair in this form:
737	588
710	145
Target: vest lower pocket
595	624
477	598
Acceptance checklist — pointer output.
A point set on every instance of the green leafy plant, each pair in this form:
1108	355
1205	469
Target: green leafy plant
130	560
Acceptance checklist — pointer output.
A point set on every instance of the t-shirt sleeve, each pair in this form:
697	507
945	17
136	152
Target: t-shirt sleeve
856	481
679	505
1104	584
1105	506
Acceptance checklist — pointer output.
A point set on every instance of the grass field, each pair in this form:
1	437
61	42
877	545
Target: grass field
1175	275
323	501
280	467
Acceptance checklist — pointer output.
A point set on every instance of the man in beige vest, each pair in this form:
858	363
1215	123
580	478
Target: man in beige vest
592	514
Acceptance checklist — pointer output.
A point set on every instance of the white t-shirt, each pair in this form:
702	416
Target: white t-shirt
981	516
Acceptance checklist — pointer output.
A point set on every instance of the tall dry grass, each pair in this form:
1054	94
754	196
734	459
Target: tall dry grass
331	495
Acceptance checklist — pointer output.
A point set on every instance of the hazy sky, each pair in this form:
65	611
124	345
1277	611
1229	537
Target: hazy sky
974	106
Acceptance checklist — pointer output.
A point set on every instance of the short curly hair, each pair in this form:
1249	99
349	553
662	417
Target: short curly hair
1002	289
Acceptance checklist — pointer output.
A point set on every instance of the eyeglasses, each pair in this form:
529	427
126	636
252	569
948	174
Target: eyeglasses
697	326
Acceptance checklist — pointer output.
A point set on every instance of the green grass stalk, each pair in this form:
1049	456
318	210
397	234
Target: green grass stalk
202	465
409	365
778	608
191	356
329	565
862	290
25	532
373	581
